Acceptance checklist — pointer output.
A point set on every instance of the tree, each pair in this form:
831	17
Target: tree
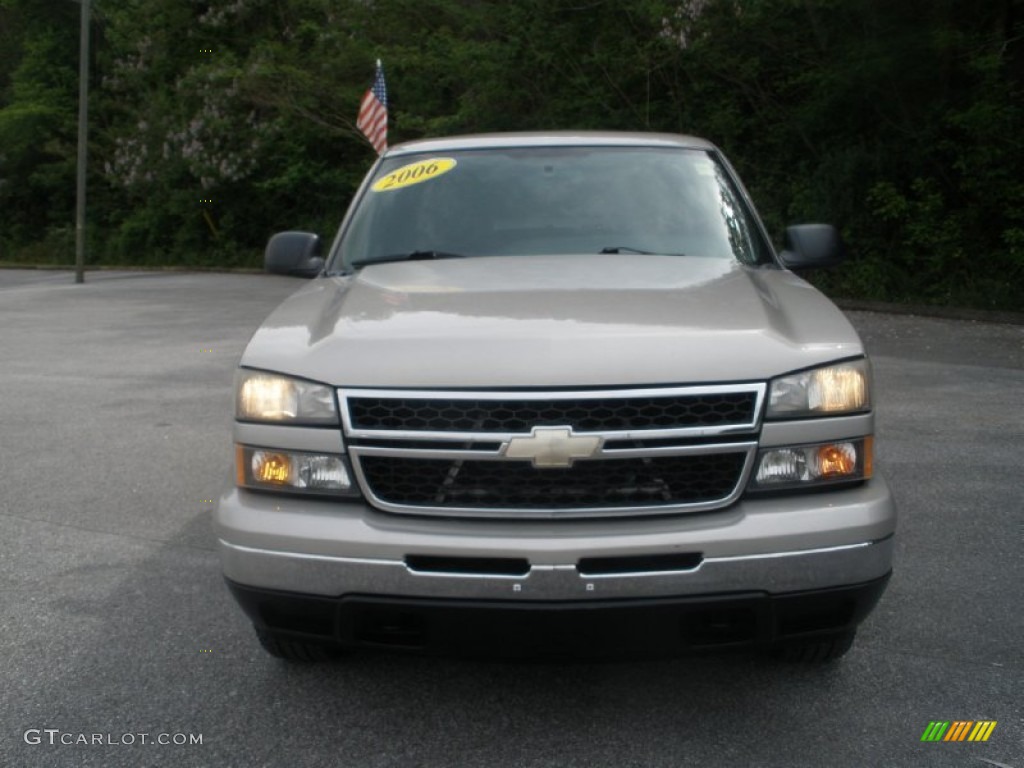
38	101
218	121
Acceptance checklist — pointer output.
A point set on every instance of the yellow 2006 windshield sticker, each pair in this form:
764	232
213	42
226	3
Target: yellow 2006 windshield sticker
414	173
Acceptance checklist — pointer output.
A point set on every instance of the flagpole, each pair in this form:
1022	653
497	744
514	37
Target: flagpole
83	121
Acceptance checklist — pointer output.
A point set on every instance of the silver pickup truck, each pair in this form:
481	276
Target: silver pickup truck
555	393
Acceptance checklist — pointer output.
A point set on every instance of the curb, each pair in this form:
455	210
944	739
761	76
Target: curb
132	268
926	310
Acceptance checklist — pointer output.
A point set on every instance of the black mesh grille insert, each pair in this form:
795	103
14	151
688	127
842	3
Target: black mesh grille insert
612	483
608	414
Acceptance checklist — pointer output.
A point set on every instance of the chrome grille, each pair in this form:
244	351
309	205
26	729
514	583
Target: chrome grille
650	451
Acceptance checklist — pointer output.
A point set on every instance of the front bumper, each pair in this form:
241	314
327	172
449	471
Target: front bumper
764	571
771	545
775	572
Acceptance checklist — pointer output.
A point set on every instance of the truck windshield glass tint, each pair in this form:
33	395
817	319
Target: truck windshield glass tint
553	201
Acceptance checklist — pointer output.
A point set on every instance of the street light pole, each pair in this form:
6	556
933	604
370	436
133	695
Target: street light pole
83	120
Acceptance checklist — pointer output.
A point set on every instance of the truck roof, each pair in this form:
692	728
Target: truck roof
550	139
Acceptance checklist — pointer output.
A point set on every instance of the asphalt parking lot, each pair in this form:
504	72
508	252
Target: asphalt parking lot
115	423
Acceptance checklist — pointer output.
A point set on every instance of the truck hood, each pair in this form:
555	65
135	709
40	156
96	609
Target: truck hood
552	321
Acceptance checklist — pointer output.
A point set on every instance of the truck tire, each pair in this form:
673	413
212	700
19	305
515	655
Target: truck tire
293	650
819	650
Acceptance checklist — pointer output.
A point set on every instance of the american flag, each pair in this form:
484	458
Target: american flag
373	112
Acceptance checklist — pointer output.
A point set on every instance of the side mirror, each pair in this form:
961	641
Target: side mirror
293	253
812	246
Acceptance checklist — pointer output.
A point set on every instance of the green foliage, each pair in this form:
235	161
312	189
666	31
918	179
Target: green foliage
216	122
38	102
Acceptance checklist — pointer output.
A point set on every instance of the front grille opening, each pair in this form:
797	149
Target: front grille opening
673	442
606	566
610	414
440	445
477	484
482	566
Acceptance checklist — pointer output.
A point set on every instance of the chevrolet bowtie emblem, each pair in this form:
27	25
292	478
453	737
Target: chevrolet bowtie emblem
550	447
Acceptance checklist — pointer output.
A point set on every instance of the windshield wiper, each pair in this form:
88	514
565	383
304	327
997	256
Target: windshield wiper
630	249
624	249
411	256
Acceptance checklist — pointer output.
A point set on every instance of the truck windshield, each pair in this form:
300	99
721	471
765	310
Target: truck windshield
552	200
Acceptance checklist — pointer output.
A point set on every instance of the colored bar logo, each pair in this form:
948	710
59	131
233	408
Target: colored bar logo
958	730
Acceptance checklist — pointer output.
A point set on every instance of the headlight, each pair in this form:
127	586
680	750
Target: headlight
800	466
828	391
292	471
273	398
